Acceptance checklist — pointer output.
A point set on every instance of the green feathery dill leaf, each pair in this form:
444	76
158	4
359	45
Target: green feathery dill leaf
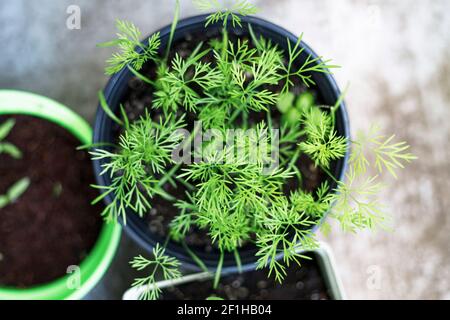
309	66
286	232
176	85
388	154
223	13
145	150
316	206
159	264
182	223
323	144
356	205
132	51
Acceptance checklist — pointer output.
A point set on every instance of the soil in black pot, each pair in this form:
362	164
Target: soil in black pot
139	98
302	283
52	225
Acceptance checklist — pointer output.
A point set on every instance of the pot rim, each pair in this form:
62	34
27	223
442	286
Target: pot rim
116	82
94	266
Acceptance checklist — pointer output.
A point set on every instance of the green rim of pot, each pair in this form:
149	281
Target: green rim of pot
97	262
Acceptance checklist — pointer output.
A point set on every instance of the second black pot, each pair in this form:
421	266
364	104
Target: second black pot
117	88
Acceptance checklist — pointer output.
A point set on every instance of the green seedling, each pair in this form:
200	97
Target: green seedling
6	147
57	190
14	192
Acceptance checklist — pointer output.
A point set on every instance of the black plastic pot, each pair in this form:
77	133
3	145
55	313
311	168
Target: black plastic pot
117	89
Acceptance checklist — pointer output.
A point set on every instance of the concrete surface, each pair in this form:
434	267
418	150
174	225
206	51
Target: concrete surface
396	56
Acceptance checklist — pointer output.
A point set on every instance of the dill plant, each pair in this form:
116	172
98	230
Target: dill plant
233	201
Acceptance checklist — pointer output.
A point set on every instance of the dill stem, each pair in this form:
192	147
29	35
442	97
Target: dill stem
219	270
225	42
168	175
176	167
237	257
172	30
194	257
329	174
294	159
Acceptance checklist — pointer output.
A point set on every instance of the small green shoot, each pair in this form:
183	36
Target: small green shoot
6	147
14	192
57	190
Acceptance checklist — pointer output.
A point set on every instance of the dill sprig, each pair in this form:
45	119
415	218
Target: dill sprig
129	42
145	150
388	154
356	204
224	13
323	144
160	265
286	230
309	66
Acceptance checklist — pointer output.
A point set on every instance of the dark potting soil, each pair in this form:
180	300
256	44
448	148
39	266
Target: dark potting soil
139	99
52	225
302	283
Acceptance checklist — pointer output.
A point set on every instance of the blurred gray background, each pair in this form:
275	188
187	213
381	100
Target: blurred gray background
396	56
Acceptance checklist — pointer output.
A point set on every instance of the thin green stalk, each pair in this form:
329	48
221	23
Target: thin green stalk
166	242
173	29
237	257
165	195
329	174
175	168
245	120
185	183
293	162
140	76
269	120
235	115
168	175
95	145
339	102
254	38
294	159
194	257
225	43
219	270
